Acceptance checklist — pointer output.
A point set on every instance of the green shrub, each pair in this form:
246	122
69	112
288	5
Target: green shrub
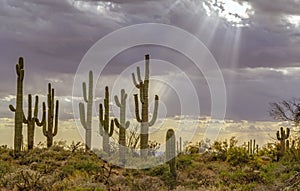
157	170
237	156
183	161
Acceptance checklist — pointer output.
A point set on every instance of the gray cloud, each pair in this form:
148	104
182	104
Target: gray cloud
53	36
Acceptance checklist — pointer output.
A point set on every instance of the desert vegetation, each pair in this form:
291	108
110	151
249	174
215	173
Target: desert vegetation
222	165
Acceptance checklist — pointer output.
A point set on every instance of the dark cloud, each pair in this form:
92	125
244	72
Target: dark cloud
53	36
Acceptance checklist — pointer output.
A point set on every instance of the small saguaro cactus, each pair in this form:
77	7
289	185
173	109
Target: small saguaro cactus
282	136
52	118
86	121
179	146
287	145
252	147
143	86
33	119
122	125
171	152
105	129
19	106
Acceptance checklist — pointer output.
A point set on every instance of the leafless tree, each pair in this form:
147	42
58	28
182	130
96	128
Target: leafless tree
286	110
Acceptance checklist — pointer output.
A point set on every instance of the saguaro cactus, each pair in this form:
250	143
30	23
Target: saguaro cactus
143	86
87	121
52	118
252	147
105	129
33	119
19	106
282	136
122	125
170	152
179	146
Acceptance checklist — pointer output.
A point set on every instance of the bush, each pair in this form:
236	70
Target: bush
183	161
237	156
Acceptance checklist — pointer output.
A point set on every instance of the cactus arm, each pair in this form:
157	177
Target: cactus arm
137	112
277	135
45	130
282	133
82	115
123	95
24	119
101	119
18	69
154	117
29	116
134	81
111	128
287	133
12	108
117	123
56	119
117	101
41	123
84	92
138	73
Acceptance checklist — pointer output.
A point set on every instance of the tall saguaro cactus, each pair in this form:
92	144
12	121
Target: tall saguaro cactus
86	121
282	136
18	138
31	120
171	152
143	86
105	129
122	125
52	118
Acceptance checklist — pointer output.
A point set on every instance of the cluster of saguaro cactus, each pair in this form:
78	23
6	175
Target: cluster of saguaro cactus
122	125
105	129
50	128
31	120
282	136
252	147
18	138
87	121
171	152
143	86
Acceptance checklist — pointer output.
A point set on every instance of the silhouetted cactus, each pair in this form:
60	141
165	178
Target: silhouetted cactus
171	153
52	118
19	106
143	86
33	119
252	147
287	145
105	129
282	136
122	125
87	121
179	146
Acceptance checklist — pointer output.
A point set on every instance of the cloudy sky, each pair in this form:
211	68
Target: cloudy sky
255	43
